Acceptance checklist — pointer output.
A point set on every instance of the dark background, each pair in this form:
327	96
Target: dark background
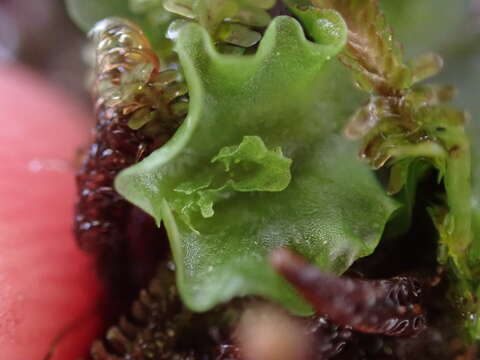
39	34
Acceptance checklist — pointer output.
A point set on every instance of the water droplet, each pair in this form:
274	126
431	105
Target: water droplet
174	29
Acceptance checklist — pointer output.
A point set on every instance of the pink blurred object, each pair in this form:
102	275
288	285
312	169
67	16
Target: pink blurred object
48	289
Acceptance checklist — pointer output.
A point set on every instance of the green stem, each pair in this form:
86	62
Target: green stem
458	190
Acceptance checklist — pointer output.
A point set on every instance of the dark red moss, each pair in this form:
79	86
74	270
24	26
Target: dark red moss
160	327
102	218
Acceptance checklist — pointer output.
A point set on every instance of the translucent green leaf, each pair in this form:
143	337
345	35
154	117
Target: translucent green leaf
333	211
249	166
252	167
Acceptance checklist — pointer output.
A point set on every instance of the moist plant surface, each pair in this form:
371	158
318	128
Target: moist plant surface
295	159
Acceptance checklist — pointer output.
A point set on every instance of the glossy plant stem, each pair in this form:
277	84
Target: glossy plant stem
389	307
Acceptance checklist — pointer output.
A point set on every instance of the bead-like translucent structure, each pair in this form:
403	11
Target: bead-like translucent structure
138	107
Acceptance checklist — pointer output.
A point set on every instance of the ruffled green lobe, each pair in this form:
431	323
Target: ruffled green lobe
333	211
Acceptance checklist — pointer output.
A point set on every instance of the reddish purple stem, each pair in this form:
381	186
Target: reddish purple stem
388	307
